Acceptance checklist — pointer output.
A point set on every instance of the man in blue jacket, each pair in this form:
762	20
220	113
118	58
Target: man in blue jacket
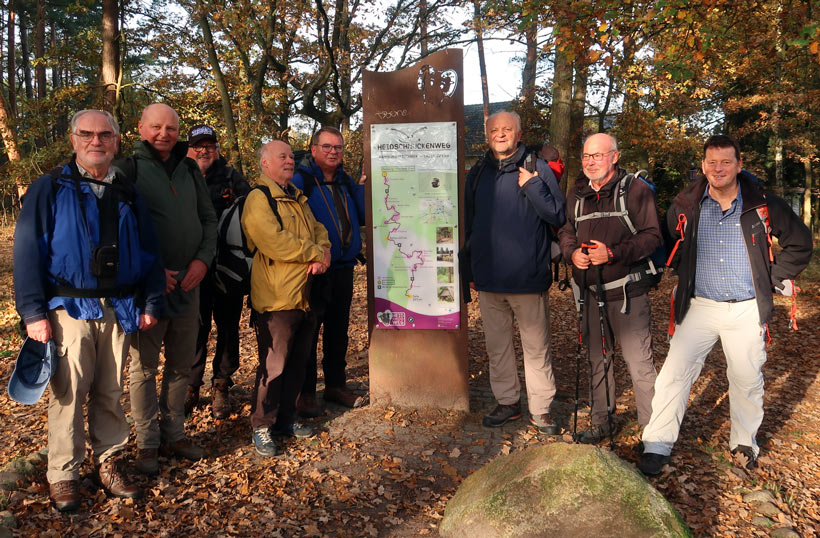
87	275
338	203
509	212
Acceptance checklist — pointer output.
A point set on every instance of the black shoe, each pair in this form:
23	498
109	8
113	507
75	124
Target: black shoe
501	415
596	433
545	424
651	464
744	456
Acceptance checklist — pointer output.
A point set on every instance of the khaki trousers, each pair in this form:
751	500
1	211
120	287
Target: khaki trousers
91	356
162	418
531	310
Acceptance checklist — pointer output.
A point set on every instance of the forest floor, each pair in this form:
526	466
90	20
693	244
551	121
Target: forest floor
389	471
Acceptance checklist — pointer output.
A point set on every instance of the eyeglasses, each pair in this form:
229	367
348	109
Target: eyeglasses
597	157
105	137
328	147
205	148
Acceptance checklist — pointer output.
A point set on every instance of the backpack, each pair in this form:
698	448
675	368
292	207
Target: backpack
650	267
233	260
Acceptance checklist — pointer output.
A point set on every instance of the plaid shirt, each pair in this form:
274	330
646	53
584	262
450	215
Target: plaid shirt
723	272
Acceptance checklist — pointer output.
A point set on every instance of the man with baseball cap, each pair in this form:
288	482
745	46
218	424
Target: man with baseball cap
225	184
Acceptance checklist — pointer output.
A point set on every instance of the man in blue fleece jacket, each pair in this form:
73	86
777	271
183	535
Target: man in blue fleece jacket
509	212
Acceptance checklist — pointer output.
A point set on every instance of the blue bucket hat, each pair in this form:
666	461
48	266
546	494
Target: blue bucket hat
35	364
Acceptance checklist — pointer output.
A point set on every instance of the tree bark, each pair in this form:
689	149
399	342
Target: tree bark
219	79
40	49
12	68
561	103
25	54
482	64
530	66
110	55
423	27
576	125
808	184
7	132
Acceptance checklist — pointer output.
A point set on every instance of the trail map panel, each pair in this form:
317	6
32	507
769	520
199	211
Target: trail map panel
414	167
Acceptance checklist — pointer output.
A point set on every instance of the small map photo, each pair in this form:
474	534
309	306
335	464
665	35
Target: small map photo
444	234
444	275
445	294
444	254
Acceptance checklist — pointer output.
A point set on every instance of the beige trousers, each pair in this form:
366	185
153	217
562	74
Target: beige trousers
531	310
91	356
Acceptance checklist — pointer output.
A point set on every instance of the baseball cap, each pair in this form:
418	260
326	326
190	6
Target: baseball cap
200	133
35	364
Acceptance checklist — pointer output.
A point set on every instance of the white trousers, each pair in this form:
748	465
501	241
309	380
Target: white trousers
738	327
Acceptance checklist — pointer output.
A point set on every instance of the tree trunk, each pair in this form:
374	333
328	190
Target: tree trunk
530	65
12	68
25	53
110	55
227	109
561	103
7	132
423	27
576	124
808	184
40	49
482	64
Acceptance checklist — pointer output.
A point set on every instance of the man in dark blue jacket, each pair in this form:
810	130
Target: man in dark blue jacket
87	274
509	212
338	203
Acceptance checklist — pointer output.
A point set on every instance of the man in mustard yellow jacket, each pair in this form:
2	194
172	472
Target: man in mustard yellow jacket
290	246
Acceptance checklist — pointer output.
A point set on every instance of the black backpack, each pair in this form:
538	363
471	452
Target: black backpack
232	264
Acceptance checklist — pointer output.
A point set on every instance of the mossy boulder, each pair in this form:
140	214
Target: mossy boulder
559	490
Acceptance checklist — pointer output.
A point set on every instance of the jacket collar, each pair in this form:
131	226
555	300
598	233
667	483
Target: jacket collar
510	162
583	188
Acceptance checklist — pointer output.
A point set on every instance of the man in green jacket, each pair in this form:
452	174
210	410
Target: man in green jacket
185	222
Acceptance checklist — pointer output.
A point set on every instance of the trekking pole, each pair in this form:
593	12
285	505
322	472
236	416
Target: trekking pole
581	305
602	315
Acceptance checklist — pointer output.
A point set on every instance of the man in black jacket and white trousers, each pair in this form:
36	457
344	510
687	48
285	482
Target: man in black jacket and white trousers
726	277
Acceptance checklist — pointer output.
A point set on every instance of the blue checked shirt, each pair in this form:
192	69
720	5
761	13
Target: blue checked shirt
723	272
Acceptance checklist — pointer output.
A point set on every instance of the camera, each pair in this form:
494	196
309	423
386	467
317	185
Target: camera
105	261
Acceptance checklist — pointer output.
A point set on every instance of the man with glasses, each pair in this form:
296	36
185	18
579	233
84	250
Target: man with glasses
185	221
87	274
727	273
618	253
225	184
338	203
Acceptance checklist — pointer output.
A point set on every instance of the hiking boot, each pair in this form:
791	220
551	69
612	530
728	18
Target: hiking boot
744	456
307	406
220	404
147	461
110	475
544	423
596	433
65	494
343	396
296	430
651	464
191	399
263	442
501	415
184	448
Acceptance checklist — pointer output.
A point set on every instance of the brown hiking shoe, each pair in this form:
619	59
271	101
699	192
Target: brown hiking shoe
147	461
184	448
343	396
220	404
115	482
65	494
307	406
191	399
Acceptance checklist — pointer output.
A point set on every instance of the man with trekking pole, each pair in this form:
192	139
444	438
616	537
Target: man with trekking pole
727	273
612	226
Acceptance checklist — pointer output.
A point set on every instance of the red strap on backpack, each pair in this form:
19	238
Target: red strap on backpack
670	331
793	310
763	213
680	229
